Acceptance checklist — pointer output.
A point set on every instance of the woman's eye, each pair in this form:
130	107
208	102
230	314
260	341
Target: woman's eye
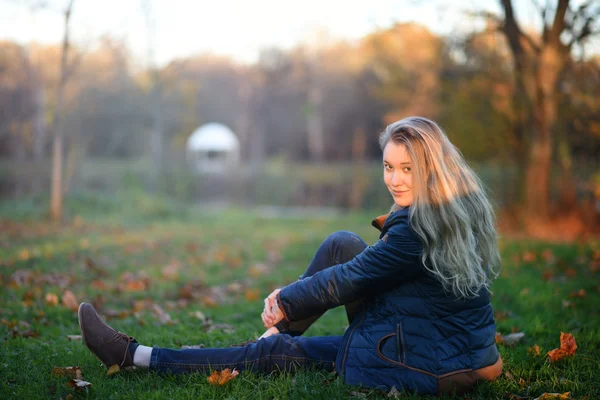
407	169
387	167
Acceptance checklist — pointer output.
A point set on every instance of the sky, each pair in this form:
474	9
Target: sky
235	28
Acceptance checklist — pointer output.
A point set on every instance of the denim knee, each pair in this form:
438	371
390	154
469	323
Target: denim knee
344	246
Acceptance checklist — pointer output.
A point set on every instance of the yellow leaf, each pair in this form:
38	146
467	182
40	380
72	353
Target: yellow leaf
113	369
549	396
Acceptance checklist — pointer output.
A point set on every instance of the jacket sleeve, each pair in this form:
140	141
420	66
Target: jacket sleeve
391	261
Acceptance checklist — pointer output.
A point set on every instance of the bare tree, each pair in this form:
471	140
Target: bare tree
540	62
57	126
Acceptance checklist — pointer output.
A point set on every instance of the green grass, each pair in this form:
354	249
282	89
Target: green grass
258	254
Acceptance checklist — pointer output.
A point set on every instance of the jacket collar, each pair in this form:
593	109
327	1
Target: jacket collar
380	221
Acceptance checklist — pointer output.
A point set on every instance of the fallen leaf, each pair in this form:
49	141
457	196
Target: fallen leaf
547	275
512	396
578	293
534	350
522	382
509	340
78	383
113	369
394	393
220	378
26	334
566	303
571	273
252	294
74	337
163	316
567	348
73	372
548	396
171	271
69	300
529	256
51	299
525	292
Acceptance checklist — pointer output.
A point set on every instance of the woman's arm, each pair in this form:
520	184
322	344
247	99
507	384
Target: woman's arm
394	259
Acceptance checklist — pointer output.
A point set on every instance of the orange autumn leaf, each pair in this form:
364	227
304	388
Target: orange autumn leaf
567	348
72	372
219	378
70	301
51	299
252	294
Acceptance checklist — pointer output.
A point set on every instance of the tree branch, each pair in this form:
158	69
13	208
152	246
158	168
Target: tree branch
513	32
558	26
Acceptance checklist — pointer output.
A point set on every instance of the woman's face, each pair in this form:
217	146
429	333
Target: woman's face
397	173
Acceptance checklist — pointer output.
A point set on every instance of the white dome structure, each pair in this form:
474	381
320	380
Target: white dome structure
212	148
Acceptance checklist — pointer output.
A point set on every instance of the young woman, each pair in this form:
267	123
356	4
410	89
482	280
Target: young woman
418	300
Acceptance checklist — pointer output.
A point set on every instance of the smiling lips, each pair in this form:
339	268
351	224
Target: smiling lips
398	192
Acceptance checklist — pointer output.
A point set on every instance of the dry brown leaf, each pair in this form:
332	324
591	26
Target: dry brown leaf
72	372
69	300
578	293
571	273
162	315
219	378
51	299
549	396
113	369
252	294
529	256
567	348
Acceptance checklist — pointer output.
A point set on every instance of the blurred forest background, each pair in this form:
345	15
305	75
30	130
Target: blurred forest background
521	102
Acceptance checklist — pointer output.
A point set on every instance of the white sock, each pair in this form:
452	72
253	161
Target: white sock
141	357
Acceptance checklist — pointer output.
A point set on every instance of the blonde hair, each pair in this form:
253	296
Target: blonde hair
450	212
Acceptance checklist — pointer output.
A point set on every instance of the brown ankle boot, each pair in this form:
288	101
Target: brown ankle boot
108	344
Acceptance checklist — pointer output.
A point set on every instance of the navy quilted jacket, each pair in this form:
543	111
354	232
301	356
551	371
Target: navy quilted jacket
409	334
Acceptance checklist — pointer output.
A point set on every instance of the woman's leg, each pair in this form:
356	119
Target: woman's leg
275	353
338	248
279	352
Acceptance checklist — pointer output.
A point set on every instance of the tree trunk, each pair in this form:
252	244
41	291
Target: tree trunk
56	182
549	66
314	117
56	189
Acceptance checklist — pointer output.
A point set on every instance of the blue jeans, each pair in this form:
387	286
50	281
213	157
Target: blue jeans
287	351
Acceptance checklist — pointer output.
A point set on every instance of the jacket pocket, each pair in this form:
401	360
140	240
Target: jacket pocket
391	347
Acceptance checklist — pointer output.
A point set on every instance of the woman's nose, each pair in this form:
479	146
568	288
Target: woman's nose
396	179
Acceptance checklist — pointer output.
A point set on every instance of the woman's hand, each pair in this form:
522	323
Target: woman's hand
271	314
